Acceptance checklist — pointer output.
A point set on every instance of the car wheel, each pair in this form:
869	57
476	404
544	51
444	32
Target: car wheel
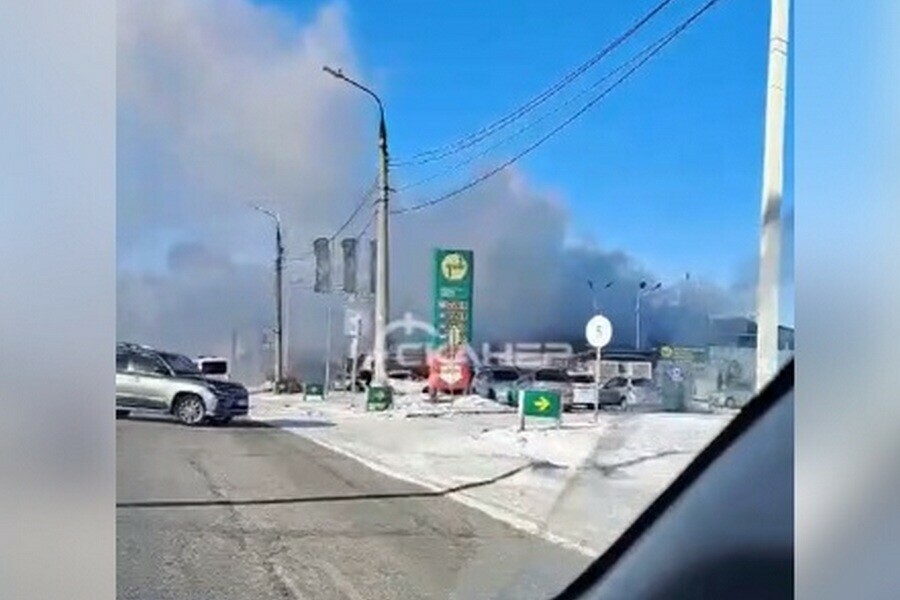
730	402
190	409
492	395
122	413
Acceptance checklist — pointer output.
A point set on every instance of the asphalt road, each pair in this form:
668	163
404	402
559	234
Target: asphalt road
277	516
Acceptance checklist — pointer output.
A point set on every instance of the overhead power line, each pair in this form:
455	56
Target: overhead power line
477	136
647	55
359	206
356	210
530	125
363	231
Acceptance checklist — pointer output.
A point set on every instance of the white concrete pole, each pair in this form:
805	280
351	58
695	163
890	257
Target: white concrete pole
773	181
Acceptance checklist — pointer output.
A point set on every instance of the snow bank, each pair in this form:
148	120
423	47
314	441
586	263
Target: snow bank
584	482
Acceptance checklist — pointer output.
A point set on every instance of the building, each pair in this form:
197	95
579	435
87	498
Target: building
740	332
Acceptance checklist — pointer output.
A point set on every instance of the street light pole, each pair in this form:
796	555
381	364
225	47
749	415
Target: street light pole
327	350
642	291
594	304
773	174
382	276
637	319
279	300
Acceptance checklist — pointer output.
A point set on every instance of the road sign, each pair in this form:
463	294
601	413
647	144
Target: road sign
313	389
598	331
684	354
539	403
379	398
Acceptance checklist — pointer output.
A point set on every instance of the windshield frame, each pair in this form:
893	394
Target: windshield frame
558	376
615	383
512	374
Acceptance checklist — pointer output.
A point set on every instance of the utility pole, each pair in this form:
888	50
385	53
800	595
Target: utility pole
379	353
327	349
773	179
381	263
279	300
233	356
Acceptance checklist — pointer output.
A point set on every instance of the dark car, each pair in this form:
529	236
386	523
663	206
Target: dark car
495	382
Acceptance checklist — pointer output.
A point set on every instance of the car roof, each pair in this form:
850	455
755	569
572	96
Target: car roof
134	347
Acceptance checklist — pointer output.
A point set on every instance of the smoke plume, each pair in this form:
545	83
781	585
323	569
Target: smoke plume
222	105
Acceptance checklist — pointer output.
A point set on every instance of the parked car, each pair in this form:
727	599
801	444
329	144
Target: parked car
584	389
553	380
733	398
214	367
495	382
151	379
620	391
403	374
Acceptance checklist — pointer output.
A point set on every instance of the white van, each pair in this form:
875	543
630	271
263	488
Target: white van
214	367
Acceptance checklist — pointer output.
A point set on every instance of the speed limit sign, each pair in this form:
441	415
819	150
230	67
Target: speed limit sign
598	331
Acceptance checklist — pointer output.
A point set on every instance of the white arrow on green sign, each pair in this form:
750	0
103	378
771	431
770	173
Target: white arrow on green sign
541	403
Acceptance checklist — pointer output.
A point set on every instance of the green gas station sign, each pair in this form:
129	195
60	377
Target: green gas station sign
453	277
684	354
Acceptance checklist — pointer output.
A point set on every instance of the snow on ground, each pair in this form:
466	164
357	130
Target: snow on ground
580	484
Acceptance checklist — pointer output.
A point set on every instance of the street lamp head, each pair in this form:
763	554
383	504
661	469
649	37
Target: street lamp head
334	73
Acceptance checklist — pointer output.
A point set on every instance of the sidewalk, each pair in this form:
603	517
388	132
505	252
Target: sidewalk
581	485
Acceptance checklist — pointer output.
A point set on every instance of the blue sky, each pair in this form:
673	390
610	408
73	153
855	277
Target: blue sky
668	167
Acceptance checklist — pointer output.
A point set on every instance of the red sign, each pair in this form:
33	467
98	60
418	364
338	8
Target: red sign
449	373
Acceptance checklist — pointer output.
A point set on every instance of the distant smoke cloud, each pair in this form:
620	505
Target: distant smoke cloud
743	290
224	103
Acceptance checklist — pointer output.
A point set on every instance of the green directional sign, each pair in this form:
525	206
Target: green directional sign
539	403
379	398
314	389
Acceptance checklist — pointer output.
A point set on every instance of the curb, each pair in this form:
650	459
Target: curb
512	519
455	413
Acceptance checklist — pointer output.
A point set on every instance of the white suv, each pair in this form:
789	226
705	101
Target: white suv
149	379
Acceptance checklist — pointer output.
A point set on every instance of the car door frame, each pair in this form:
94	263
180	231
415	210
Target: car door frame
125	381
152	398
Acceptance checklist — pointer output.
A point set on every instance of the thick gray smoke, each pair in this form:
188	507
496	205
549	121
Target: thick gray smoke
224	104
742	292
